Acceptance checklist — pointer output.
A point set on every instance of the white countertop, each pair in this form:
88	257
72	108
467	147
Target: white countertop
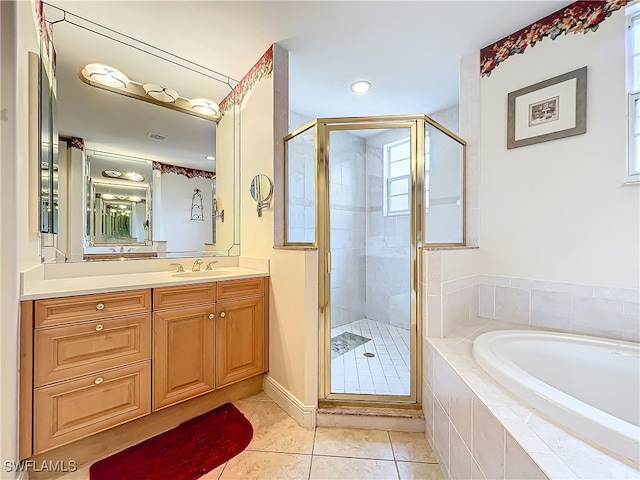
68	287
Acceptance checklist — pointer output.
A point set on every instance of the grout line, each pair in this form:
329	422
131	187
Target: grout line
223	468
355	458
393	451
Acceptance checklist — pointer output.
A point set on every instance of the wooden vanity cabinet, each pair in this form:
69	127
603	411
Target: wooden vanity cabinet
240	333
91	365
183	356
89	362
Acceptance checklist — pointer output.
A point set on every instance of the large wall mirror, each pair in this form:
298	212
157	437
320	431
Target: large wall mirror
136	142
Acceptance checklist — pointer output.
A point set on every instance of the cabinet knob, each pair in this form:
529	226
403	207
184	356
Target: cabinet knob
100	306
222	314
211	316
99	327
98	380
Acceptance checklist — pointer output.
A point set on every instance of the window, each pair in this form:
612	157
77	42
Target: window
397	176
633	91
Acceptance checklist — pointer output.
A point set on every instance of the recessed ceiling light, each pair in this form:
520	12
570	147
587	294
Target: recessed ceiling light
361	86
107	75
210	157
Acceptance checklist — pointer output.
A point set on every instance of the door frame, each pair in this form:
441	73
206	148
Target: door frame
417	126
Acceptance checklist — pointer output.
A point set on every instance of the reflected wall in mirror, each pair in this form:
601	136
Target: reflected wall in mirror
163	140
48	133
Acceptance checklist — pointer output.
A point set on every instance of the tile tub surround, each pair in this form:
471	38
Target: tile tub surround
479	430
605	311
612	312
282	449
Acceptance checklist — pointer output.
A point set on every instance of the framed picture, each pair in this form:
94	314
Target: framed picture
548	110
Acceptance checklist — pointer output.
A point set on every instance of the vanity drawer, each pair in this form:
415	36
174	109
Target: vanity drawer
56	311
73	350
249	287
72	410
183	295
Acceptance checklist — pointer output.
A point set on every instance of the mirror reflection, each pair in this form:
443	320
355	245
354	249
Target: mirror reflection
261	188
119	209
140	162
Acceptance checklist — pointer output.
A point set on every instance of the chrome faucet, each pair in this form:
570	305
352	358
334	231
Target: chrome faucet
180	267
196	265
209	265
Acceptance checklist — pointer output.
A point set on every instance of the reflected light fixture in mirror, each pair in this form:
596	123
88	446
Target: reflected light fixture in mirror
160	93
107	75
204	106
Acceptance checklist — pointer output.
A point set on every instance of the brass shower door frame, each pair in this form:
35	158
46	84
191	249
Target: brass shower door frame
416	125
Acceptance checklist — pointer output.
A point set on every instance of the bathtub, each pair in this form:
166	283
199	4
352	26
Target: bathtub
590	385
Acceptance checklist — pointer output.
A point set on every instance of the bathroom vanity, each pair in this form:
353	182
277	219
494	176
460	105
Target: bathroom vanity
93	361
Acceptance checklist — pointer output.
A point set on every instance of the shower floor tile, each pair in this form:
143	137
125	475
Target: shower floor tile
387	373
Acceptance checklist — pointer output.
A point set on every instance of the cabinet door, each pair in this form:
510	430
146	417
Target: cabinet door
68	411
239	340
182	354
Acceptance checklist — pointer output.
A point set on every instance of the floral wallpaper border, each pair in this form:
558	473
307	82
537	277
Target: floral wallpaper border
578	17
74	142
262	69
187	172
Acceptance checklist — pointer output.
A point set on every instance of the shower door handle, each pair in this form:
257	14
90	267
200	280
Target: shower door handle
328	262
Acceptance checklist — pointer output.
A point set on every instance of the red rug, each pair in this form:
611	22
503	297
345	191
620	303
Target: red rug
184	453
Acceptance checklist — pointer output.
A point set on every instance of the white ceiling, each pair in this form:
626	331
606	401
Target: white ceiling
409	51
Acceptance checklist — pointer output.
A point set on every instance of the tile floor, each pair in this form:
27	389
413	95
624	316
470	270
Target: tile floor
281	449
388	373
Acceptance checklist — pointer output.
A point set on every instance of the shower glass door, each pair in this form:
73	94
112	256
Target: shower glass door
371	245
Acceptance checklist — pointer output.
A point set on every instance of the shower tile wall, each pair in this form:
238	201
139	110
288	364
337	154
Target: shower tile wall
301	190
388	244
443	218
348	248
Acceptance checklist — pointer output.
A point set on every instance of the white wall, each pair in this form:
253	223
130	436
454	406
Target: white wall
294	274
18	248
178	230
557	210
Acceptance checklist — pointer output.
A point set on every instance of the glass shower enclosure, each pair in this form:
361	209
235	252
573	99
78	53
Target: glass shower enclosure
371	193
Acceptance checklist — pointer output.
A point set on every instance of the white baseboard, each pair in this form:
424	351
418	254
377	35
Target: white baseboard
305	415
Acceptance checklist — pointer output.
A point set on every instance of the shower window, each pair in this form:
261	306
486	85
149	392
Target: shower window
397	159
633	91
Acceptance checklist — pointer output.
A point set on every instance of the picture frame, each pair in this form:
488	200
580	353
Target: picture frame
548	110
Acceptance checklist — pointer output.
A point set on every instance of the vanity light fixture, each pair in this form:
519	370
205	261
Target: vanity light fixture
107	75
133	176
135	199
359	87
111	173
160	93
108	196
204	106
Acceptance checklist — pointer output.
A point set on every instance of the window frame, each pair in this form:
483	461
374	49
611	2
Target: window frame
388	178
633	94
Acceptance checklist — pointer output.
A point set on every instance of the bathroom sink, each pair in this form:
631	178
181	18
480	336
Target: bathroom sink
201	273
